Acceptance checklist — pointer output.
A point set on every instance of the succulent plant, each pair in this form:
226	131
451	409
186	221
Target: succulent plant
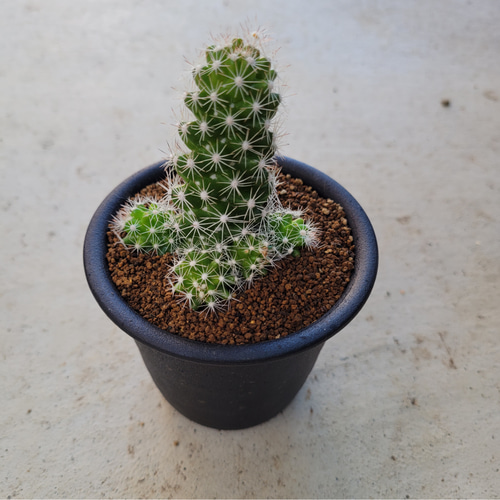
221	216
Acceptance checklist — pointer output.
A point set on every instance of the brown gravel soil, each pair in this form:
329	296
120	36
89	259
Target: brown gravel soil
294	294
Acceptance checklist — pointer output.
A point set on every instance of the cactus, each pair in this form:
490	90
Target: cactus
221	216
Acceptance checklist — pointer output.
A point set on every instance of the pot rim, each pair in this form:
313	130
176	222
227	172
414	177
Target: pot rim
343	311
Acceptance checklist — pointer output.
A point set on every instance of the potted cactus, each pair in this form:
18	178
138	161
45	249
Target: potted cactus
222	220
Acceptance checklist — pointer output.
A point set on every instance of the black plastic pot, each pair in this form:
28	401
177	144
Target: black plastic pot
231	387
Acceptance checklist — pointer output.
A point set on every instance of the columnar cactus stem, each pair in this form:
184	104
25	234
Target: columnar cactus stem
221	216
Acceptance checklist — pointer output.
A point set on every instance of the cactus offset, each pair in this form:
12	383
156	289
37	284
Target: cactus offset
221	216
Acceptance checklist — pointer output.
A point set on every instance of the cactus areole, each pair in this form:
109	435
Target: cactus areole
221	216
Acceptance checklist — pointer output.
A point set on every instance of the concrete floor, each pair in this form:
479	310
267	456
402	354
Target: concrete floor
405	401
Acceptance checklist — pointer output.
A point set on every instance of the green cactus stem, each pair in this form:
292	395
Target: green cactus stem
221	215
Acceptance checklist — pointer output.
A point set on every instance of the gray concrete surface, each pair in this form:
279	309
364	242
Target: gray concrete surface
405	401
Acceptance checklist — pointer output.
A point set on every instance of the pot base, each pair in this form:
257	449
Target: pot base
227	396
